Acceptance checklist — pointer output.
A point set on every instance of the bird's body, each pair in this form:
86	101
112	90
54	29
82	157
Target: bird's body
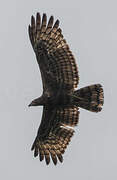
60	99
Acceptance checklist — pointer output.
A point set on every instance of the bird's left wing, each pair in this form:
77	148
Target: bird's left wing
56	61
55	132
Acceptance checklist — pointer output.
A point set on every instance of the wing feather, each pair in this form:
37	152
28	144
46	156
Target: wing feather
54	133
47	40
50	24
38	22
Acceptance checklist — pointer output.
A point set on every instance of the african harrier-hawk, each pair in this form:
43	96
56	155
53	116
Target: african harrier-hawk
60	99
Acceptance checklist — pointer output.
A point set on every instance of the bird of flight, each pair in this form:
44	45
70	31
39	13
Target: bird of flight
60	99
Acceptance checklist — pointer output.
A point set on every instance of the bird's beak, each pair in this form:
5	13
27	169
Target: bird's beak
31	104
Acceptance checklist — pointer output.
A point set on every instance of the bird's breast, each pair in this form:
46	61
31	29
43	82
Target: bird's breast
64	99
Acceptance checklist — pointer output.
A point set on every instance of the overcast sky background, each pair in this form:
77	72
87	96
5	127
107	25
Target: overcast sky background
90	28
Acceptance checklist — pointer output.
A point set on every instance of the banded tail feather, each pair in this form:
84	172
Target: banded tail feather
90	97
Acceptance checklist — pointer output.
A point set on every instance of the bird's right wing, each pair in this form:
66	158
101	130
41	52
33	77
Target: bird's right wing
55	132
56	61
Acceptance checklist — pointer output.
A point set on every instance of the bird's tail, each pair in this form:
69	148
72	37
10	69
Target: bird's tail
90	97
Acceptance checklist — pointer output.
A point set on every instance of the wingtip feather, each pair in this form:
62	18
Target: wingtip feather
32	21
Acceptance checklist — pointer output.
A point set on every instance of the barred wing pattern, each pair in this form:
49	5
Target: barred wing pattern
60	78
54	133
58	58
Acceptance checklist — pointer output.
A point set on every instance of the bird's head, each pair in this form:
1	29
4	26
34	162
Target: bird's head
36	102
33	103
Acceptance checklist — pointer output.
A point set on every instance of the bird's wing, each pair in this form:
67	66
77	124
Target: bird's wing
55	132
57	64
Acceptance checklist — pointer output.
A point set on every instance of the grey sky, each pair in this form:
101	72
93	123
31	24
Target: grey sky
90	28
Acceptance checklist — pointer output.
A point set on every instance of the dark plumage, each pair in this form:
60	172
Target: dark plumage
60	100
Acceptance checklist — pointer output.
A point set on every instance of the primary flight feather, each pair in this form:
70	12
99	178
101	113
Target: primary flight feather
60	99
